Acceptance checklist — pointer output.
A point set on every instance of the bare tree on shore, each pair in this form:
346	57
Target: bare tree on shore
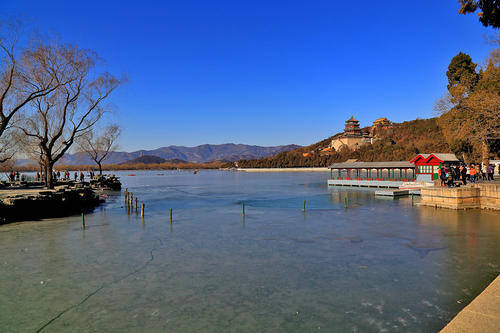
57	119
17	90
98	143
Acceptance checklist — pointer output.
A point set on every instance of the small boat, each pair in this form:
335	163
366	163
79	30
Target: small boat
131	175
195	171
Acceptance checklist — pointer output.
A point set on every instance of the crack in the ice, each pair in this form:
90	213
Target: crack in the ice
104	285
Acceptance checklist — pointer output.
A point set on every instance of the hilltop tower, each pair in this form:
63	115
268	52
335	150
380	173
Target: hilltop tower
352	128
352	138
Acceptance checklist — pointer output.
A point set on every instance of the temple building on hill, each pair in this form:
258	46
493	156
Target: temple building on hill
353	136
379	125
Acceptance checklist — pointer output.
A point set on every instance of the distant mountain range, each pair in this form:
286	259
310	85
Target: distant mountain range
151	159
199	154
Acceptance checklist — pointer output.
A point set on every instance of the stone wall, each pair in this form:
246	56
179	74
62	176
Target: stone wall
485	196
490	196
455	198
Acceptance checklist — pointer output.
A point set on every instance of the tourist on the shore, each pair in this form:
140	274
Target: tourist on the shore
76	176
472	173
490	171
37	176
17	175
483	171
82	177
478	171
442	176
463	174
449	176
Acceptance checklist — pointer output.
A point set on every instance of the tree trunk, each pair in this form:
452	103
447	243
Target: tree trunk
485	152
49	182
100	168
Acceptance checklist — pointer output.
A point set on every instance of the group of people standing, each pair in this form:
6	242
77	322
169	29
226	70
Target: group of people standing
16	176
472	173
66	175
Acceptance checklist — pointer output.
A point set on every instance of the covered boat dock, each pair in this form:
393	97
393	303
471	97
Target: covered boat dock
371	174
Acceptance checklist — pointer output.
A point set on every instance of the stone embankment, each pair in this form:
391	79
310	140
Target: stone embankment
32	203
481	315
105	182
483	195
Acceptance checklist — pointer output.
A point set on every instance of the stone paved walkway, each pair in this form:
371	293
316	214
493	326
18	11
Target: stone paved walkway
481	315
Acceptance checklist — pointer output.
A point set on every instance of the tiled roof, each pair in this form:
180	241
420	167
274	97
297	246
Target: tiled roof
373	165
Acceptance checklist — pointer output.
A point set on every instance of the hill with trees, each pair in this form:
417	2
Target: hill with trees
399	143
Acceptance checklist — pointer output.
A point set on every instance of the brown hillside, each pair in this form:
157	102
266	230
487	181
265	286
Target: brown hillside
400	143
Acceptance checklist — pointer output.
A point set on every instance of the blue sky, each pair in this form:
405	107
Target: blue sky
263	72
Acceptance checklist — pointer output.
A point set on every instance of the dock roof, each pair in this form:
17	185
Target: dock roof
372	165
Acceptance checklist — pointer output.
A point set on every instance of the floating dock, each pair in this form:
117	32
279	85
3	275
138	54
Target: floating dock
392	193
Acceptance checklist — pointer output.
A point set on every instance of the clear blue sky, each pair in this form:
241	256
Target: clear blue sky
263	72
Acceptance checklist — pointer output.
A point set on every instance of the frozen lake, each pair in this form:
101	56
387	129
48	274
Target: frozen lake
379	265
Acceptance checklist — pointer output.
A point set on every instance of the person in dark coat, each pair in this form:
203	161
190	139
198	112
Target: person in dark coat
463	174
490	171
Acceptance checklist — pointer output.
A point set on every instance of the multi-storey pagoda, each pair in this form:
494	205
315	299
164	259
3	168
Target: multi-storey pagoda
352	128
353	137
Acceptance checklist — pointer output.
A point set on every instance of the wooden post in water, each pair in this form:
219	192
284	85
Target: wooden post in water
304	209
131	199
170	215
412	199
142	209
83	221
345	202
136	204
243	208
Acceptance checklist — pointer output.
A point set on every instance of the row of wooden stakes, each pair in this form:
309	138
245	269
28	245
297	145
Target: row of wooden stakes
131	203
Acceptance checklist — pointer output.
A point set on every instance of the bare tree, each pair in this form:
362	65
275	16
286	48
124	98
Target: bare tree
57	119
16	90
98	143
28	147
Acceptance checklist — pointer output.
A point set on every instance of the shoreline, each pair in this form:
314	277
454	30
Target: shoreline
37	203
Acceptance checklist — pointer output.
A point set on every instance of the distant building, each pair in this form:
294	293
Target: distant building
353	136
380	124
